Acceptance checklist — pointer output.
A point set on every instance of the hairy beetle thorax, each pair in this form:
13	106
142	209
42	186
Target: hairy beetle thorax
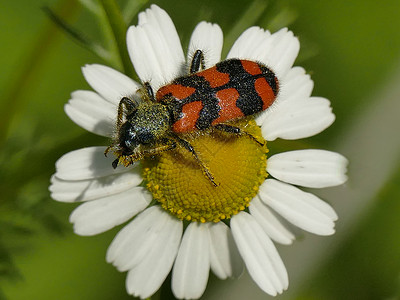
150	122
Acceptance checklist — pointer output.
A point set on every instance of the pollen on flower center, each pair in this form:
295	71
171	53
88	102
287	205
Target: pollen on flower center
238	164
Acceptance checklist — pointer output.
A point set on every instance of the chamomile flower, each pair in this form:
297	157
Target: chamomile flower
179	220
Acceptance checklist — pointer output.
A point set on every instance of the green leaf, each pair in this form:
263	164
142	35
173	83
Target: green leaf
77	36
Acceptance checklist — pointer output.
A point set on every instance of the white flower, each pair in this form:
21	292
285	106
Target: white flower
155	241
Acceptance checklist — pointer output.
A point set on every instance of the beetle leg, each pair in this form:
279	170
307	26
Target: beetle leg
190	148
167	145
127	104
108	149
127	160
197	62
149	91
236	130
124	104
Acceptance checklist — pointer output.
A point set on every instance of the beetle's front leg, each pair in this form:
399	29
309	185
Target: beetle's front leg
126	160
127	104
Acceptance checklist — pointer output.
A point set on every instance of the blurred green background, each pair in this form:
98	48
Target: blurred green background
352	51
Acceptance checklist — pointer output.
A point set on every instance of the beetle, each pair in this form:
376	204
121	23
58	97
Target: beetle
232	89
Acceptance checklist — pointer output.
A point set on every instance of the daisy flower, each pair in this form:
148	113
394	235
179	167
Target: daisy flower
181	222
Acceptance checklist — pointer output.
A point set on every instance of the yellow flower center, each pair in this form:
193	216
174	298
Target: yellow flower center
237	163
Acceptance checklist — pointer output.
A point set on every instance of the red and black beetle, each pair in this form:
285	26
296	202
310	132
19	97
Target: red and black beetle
232	89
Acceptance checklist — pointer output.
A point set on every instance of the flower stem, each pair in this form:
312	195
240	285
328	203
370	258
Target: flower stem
118	27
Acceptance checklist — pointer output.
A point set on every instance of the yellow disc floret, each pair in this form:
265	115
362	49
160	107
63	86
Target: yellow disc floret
237	163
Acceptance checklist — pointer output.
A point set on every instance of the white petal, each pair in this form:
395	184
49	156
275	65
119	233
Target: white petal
154	48
250	44
208	38
148	63
295	120
259	254
161	21
302	209
109	83
103	214
90	189
271	225
278	51
309	168
87	163
282	53
192	265
92	112
295	85
224	256
135	240
146	278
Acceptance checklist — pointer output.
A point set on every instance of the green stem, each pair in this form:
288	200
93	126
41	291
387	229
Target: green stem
118	27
